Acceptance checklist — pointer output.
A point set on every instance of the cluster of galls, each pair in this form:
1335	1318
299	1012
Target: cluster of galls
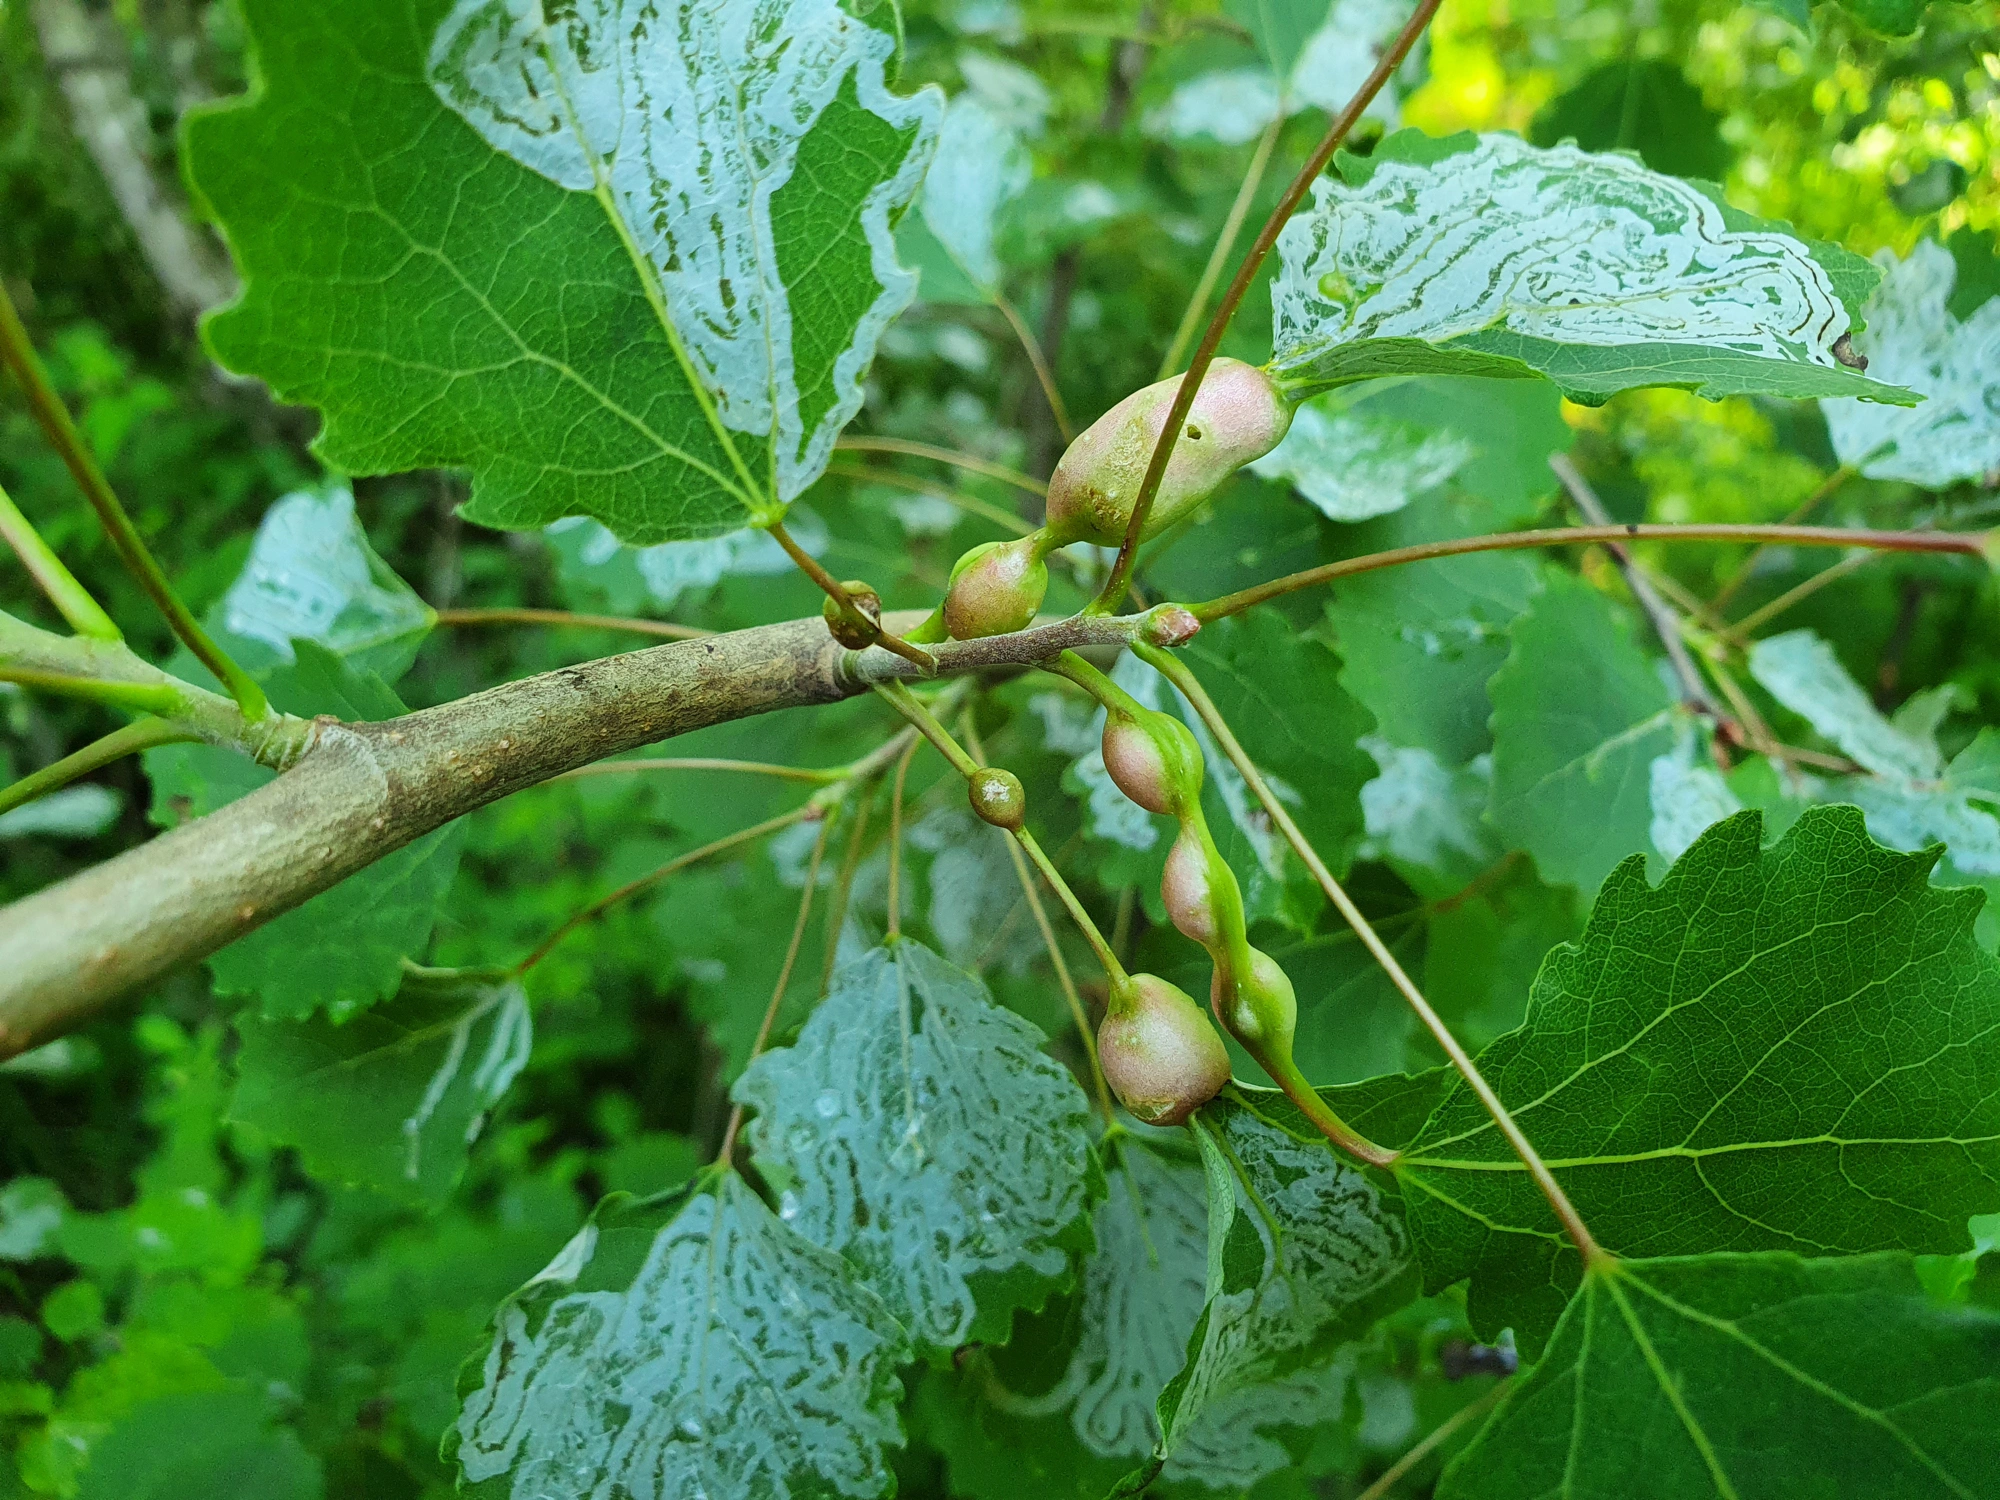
1158	1052
1238	415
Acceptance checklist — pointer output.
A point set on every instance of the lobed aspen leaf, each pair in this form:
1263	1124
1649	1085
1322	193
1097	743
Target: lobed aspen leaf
1913	339
1748	1377
919	1130
395	1097
1303	1251
1483	255
629	262
1789	1048
684	1345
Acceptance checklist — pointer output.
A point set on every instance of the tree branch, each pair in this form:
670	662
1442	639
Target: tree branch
361	791
111	123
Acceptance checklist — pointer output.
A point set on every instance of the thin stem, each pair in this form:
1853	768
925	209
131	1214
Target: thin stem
704	763
1825	491
899	697
1666	624
71	599
1225	242
843	885
1176	672
1965	543
1438	1435
1056	960
1211	339
784	978
116	745
1032	346
140	697
836	591
1113	969
986	510
1748	626
926	723
967	461
896	839
665	629
672	866
18	354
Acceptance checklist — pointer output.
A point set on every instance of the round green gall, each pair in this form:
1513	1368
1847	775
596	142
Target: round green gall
996	588
1159	1054
843	628
998	797
1238	415
1262	1011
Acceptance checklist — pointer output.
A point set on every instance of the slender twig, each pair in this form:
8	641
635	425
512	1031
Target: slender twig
1225	242
1471	1411
784	977
968	461
1666	624
1740	632
1253	259
836	591
1033	348
1056	959
141	697
673	866
18	354
116	745
665	629
926	723
896	839
71	599
1085	924
1820	495
704	763
986	510
1965	543
1176	672
843	884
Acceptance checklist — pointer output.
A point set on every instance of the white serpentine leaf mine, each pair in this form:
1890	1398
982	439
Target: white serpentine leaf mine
918	1129
1556	244
312	575
1913	340
735	1358
981	165
686	118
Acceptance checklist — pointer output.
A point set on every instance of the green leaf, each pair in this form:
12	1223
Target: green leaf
919	1130
1280	692
344	949
1581	719
1913	339
982	165
1642	104
1794	1048
1748	1377
312	575
1911	797
659	316
392	1098
1303	1251
200	1442
685	1345
1482	255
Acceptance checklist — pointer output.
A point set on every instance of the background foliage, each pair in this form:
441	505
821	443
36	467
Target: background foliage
196	1284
